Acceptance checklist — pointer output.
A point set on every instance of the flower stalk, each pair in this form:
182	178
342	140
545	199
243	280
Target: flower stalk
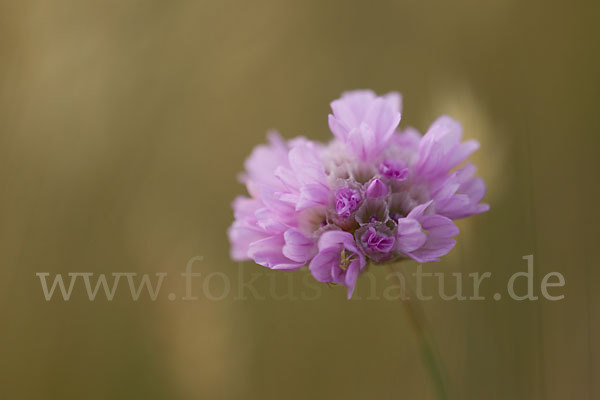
425	339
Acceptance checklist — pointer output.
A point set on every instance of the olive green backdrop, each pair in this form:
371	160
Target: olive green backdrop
123	125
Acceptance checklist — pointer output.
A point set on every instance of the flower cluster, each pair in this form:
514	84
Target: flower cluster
372	195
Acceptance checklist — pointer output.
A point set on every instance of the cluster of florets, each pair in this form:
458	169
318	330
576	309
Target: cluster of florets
373	194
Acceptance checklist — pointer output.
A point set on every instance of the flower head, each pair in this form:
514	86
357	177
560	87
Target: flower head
373	194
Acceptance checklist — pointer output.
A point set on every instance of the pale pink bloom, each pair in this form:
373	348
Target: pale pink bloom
373	194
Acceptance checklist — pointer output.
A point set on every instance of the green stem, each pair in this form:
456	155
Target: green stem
428	346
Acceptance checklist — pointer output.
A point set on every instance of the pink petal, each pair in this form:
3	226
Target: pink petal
352	275
410	237
337	239
322	264
439	226
298	247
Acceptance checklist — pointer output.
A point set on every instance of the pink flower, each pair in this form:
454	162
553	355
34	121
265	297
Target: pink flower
364	121
425	238
338	260
373	194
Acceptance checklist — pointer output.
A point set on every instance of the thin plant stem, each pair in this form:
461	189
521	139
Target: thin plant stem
426	341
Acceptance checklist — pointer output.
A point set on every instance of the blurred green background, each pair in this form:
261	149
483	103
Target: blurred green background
123	125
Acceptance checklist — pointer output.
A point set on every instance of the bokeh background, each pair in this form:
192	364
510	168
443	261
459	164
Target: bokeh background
123	125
